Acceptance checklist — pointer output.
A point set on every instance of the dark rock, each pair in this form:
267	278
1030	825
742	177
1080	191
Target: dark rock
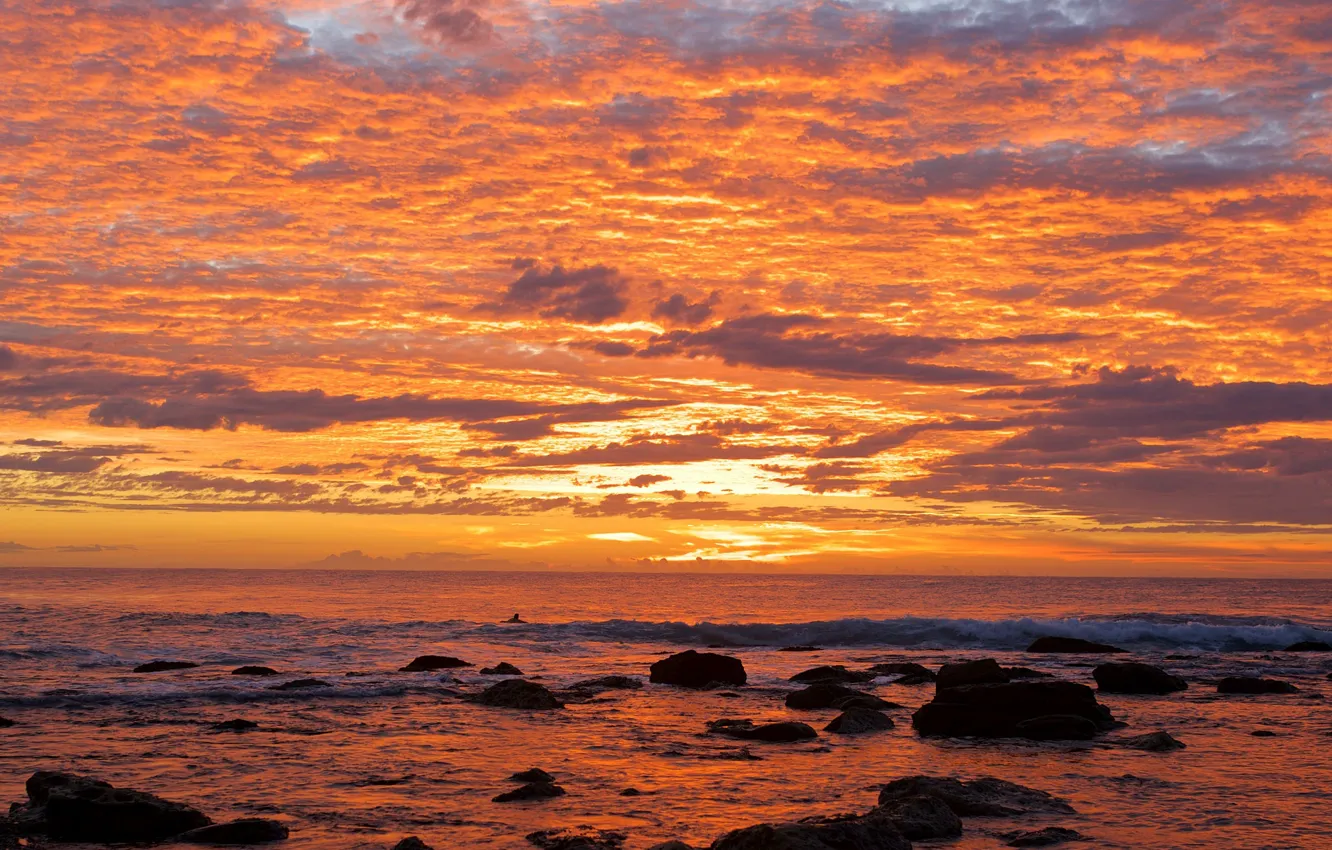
1263	733
983	672
159	666
831	673
518	693
858	721
1254	685
1047	837
1310	646
5	723
671	845
985	797
820	696
607	683
867	832
1026	673
782	732
530	791
801	648
77	808
995	711
1153	742
869	701
503	668
1058	727
583	839
915	679
300	685
1070	644
425	663
1135	678
690	669
903	668
412	843
237	832
532	774
254	671
631	792
237	725
922	817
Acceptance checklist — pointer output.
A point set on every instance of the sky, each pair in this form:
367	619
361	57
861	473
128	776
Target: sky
908	285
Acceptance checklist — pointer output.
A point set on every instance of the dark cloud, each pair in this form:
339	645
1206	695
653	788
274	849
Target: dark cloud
8	359
836	477
320	468
447	21
679	310
686	448
64	460
592	295
647	480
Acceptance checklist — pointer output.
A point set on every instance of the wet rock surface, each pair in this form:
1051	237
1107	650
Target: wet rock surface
780	732
301	685
984	797
245	831
868	832
427	663
608	683
832	673
825	696
997	710
532	774
859	721
576	839
692	669
530	791
1153	742
503	668
412	843
1254	685
163	666
69	807
518	693
254	670
986	671
1136	678
1046	837
921	817
235	725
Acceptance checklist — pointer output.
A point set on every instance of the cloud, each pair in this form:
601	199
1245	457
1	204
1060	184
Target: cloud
681	311
591	295
687	448
447	21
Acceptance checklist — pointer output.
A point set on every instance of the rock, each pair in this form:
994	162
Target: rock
867	832
78	808
800	648
1153	742
159	666
300	685
518	693
1135	678
1058	727
1026	673
831	673
530	791
237	832
503	668
690	669
607	683
983	672
921	817
671	845
631	792
237	725
858	721
1047	837
820	696
5	723
869	701
903	668
251	670
426	663
1070	644
985	797
995	711
1254	685
532	774
412	843
782	732
1263	733
584	839
1310	646
915	679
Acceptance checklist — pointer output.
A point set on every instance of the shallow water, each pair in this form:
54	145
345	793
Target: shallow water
391	754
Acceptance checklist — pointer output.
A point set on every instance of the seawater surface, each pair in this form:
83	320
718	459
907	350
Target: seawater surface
384	754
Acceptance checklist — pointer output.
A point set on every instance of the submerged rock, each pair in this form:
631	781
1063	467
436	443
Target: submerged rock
411	842
244	831
580	839
902	668
530	791
997	710
821	696
921	817
1154	742
671	845
858	721
1254	685
866	832
300	685
1070	644
160	666
254	670
68	807
859	700
986	671
236	725
1310	646
831	673
1047	837
781	732
503	668
691	669
518	693
985	797
532	774
5	723
1136	678
426	663
608	683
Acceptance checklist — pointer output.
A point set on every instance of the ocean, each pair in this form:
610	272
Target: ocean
382	754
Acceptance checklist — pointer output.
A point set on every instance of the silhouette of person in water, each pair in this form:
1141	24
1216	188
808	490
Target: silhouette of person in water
515	619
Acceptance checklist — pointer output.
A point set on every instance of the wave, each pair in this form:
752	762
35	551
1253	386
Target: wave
1143	631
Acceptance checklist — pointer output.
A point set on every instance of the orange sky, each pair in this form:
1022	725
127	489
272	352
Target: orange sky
1029	286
